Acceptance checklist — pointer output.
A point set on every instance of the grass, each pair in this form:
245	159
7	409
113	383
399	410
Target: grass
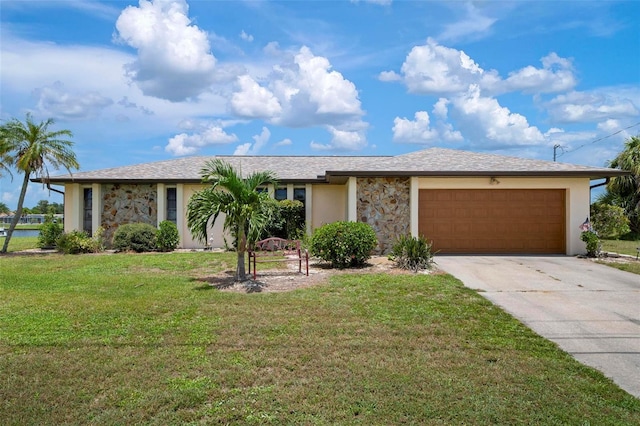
620	246
20	244
623	247
130	339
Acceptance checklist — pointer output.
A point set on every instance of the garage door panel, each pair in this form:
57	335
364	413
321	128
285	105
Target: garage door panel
493	221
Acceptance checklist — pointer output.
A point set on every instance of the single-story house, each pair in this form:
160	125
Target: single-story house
464	202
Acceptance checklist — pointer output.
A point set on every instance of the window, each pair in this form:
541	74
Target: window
281	194
87	214
172	209
300	194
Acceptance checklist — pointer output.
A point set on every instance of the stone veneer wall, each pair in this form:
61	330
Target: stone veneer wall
128	204
383	203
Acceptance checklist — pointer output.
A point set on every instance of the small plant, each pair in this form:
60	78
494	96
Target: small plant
50	231
412	253
593	243
138	237
76	242
167	237
344	244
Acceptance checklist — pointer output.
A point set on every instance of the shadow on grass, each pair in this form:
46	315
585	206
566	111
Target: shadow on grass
228	280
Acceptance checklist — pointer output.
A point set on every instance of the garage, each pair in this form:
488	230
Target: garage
492	221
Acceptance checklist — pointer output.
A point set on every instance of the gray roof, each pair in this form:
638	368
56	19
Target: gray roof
428	162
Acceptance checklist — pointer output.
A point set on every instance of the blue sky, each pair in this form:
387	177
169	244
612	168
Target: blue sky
152	80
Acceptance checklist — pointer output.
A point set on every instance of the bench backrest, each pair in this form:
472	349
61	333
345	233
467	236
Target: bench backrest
275	244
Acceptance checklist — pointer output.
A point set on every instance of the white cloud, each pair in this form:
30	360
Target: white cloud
421	130
254	101
556	75
485	120
246	37
474	24
432	69
389	76
184	144
259	142
598	105
342	140
284	142
302	91
58	102
378	2
174	60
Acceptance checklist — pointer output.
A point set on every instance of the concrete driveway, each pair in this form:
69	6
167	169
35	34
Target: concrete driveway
591	311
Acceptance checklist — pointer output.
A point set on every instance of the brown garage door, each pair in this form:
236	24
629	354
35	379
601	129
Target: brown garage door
493	221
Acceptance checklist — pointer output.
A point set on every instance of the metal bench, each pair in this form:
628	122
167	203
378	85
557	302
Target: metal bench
278	250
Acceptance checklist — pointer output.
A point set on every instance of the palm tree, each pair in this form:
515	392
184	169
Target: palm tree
238	199
31	148
624	191
5	155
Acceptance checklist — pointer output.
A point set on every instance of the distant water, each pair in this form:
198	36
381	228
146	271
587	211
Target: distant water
23	232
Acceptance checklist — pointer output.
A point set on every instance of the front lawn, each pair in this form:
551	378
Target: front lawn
140	339
621	246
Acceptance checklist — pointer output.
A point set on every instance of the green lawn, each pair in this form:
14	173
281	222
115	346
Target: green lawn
140	339
620	246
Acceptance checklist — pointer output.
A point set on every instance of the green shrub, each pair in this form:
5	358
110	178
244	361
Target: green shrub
138	237
593	243
286	219
50	231
412	253
344	244
76	242
167	237
609	221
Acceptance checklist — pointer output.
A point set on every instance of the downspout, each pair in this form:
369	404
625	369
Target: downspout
606	181
53	189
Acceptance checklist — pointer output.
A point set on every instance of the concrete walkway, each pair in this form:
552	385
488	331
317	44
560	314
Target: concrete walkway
591	311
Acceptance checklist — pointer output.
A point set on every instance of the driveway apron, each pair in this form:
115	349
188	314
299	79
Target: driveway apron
591	311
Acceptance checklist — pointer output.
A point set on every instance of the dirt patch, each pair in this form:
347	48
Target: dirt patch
288	279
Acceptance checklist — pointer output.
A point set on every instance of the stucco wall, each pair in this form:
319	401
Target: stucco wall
328	204
121	204
577	198
186	239
383	203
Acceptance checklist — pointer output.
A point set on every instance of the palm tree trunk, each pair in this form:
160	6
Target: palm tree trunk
18	214
241	249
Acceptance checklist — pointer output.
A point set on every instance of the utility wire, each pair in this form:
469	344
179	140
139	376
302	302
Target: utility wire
590	143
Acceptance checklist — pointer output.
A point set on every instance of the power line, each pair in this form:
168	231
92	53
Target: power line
589	143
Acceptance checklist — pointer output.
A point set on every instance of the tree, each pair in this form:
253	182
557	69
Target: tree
624	191
4	208
238	199
31	148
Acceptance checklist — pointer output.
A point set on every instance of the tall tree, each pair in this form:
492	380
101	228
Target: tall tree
238	199
32	148
624	191
4	208
5	155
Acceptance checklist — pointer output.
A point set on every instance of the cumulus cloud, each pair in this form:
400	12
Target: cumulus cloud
284	142
342	140
582	107
254	101
488	121
259	142
187	144
303	90
378	2
174	60
421	129
433	69
246	37
556	75
58	102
